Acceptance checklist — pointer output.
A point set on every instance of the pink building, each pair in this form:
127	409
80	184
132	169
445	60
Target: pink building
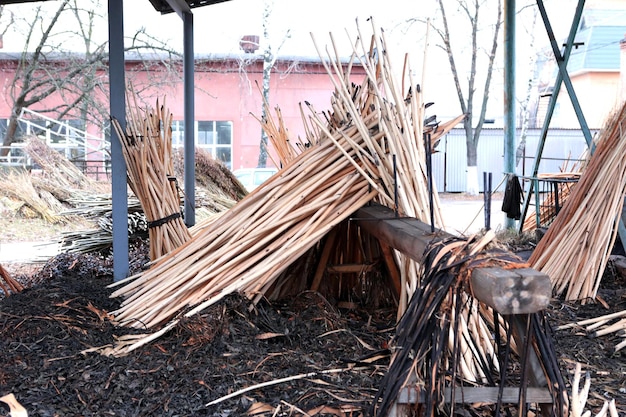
227	99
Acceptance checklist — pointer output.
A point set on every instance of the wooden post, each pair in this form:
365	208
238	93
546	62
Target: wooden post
520	291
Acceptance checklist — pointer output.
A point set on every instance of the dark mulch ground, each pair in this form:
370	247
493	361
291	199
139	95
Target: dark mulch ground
44	329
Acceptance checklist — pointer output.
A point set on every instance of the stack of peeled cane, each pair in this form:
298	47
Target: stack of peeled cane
147	150
576	248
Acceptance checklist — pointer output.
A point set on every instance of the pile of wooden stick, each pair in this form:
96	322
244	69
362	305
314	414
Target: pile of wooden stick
603	325
579	398
370	146
147	149
576	247
55	165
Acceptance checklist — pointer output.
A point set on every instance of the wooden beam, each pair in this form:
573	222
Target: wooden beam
520	291
406	234
489	395
511	291
394	273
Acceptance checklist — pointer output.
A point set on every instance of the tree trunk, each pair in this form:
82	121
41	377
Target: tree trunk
471	143
267	72
9	136
268	63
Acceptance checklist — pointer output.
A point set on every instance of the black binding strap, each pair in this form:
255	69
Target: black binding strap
160	222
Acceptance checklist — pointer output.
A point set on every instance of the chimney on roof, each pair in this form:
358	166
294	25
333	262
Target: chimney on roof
249	43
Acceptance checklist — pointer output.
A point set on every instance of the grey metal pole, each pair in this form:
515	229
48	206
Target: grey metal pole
509	94
188	80
118	165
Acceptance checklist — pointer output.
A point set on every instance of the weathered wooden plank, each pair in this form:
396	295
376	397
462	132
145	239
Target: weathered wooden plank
488	395
511	291
349	268
520	291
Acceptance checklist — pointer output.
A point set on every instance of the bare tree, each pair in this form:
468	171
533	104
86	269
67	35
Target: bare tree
525	103
471	10
47	67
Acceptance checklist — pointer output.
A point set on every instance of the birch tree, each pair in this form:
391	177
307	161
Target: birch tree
269	59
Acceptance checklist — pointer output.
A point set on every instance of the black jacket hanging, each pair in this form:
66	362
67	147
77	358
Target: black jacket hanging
513	194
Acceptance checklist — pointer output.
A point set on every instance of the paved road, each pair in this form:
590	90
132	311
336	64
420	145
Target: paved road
462	215
467	215
22	252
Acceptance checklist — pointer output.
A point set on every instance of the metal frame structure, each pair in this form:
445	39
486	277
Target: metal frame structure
183	9
562	78
118	111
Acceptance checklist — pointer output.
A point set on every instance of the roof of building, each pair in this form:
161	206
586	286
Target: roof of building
600	33
163	6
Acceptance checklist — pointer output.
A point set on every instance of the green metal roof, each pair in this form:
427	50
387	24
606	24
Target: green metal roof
600	33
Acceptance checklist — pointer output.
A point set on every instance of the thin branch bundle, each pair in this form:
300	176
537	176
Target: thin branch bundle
55	165
19	185
147	149
576	248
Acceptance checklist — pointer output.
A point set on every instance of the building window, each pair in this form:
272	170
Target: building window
215	137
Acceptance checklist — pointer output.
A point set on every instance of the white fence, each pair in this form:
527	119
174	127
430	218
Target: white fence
562	148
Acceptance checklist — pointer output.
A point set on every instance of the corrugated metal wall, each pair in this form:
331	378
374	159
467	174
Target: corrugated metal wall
450	163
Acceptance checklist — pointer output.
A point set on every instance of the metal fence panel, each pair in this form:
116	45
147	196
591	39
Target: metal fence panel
450	163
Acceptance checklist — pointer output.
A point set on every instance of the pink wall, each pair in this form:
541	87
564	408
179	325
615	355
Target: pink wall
227	90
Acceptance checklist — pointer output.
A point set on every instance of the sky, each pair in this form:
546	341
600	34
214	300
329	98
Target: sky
295	23
218	29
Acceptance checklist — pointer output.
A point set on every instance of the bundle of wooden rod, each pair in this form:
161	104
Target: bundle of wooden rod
147	149
7	284
576	248
345	164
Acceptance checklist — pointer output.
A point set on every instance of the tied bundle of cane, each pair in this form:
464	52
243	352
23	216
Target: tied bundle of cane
576	247
147	149
346	165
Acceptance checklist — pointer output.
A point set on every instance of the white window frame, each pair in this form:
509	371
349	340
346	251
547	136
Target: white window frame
178	138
